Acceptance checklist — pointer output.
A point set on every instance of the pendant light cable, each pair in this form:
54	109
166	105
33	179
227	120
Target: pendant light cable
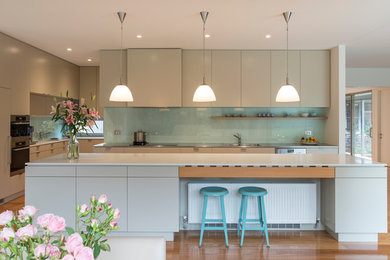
204	54
121	58
287	55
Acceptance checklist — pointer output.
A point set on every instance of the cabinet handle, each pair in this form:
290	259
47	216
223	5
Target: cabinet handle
9	150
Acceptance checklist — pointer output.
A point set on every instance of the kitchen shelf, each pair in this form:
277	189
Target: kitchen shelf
275	117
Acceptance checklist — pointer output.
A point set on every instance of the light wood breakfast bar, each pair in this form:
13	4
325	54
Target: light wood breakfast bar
153	190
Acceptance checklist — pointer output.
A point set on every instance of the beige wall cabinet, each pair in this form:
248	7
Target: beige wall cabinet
315	78
89	86
109	75
192	75
5	141
226	78
154	77
86	145
278	75
256	78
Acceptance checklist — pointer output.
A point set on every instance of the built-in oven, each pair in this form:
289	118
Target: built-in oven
20	143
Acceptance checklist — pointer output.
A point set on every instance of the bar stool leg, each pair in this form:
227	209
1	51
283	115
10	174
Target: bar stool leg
260	214
224	220
265	219
203	219
240	217
244	219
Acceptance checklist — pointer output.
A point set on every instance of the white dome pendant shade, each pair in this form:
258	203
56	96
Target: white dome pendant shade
204	93
287	93
121	93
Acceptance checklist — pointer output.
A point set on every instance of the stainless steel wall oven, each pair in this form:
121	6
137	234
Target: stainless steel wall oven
20	143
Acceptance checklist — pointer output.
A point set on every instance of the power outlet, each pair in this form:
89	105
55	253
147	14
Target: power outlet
308	132
117	132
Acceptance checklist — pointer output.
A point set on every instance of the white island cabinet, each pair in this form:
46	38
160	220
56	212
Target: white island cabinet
152	189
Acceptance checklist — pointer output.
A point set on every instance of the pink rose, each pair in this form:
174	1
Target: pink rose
53	251
74	241
83	253
6	217
117	214
56	224
102	199
26	212
68	257
83	208
109	206
27	231
94	223
6	234
44	220
93	198
99	208
40	250
113	224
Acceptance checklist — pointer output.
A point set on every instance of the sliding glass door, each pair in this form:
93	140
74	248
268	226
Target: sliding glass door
359	125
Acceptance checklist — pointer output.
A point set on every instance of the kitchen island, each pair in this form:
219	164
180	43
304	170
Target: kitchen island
157	193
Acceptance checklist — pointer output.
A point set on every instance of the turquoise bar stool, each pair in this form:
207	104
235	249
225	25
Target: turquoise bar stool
216	192
253	192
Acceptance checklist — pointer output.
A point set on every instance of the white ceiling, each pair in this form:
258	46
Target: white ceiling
87	26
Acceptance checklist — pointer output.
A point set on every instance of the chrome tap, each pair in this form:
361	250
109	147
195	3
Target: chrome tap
238	136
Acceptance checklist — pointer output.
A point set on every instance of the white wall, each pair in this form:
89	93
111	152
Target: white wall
368	77
334	132
25	69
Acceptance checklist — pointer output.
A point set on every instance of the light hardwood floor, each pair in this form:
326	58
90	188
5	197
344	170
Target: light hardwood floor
284	245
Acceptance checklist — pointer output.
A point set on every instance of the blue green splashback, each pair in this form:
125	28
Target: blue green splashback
194	125
45	128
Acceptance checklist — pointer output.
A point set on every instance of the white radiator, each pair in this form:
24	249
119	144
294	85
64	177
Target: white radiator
287	203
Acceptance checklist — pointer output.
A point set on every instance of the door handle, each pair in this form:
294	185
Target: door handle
21	149
370	134
380	136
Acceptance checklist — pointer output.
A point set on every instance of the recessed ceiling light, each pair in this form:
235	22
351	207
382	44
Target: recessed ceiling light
69	49
139	36
89	60
207	35
268	36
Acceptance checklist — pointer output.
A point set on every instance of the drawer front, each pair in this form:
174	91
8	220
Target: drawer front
50	171
153	171
101	171
58	145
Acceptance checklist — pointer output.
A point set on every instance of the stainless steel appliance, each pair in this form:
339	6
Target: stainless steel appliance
290	150
20	143
140	138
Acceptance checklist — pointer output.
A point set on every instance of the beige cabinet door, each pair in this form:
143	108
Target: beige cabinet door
154	77
256	78
226	78
5	152
192	73
88	84
315	79
110	74
278	75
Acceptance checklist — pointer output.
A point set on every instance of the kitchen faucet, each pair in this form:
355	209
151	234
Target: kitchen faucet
238	136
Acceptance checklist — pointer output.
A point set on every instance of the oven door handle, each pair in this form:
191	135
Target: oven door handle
20	149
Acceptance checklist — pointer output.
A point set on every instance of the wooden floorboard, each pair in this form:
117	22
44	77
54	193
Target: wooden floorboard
284	245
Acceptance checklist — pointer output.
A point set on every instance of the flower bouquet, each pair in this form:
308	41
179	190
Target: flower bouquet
76	117
20	238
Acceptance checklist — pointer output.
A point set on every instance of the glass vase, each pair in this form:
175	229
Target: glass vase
73	148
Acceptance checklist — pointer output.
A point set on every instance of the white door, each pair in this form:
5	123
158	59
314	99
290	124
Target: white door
5	149
384	133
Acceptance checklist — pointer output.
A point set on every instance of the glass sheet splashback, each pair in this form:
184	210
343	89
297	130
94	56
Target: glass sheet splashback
194	125
45	128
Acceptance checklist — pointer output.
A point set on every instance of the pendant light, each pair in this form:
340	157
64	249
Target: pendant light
204	92
121	93
287	93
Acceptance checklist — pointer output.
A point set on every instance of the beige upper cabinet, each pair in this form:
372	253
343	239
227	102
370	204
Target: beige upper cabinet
226	78
278	75
110	74
154	77
256	78
89	85
315	79
192	73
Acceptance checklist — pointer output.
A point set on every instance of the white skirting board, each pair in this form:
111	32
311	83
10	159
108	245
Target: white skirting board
289	203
